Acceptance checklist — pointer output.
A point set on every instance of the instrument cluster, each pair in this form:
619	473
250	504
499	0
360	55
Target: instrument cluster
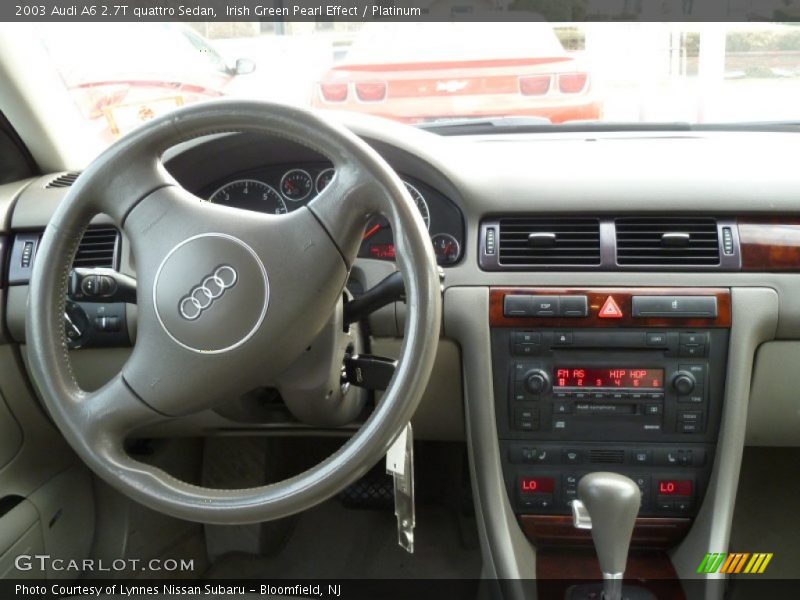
282	189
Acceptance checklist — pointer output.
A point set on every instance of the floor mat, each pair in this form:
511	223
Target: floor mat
331	541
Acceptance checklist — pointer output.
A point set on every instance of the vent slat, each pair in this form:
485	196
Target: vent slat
63	181
97	248
639	242
577	242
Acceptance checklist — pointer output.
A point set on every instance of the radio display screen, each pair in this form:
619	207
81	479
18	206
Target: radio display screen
612	377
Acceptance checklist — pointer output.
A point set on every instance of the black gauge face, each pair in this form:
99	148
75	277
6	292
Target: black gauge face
250	194
422	205
296	185
323	179
446	247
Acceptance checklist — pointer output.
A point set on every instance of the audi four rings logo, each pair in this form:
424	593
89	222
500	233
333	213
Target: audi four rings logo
202	296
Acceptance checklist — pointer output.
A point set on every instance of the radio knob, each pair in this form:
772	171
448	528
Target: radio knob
683	382
537	382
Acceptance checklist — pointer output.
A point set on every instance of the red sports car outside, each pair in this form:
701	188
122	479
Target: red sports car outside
449	73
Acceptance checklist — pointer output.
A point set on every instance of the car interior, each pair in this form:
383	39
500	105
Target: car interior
284	343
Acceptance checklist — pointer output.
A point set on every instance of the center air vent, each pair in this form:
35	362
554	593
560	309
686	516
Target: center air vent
608	457
549	242
667	242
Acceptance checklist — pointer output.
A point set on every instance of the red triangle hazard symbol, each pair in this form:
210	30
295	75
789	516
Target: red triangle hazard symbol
610	310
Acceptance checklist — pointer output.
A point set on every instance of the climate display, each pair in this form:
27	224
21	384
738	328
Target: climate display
537	485
608	378
672	487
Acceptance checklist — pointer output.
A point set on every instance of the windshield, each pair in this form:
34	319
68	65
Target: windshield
123	74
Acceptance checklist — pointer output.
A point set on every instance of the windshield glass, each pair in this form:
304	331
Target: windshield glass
123	74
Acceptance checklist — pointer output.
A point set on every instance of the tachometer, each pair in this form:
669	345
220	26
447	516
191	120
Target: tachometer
296	185
250	194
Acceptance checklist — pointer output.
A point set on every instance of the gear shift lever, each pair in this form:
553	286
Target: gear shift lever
608	504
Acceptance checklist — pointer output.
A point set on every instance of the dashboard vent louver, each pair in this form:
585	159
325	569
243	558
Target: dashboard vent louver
63	181
98	248
607	456
549	242
673	242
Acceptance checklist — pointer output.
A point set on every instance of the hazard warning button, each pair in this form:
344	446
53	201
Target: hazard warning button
610	309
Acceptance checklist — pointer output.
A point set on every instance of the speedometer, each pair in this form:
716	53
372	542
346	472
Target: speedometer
250	194
422	205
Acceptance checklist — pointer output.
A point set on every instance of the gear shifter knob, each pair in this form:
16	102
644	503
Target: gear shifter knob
612	501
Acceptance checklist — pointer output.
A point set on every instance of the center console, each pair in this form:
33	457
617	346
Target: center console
608	379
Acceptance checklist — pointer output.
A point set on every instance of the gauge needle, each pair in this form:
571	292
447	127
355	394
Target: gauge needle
373	230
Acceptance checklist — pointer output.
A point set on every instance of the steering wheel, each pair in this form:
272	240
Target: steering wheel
226	300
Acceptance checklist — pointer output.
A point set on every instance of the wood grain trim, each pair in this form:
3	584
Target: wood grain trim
558	569
597	296
770	244
558	530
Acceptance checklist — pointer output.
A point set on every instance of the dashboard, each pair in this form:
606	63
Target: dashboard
282	188
551	368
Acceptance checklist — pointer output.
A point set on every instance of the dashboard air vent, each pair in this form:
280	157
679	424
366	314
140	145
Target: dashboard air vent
673	242
549	242
98	248
63	181
607	456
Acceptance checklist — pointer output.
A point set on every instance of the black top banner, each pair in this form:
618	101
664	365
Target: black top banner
408	10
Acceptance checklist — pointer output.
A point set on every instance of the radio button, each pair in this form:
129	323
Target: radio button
597	396
692	350
699	372
526	419
694	338
617	396
689	428
696	398
656	339
562	408
653	409
581	395
658	396
691	416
